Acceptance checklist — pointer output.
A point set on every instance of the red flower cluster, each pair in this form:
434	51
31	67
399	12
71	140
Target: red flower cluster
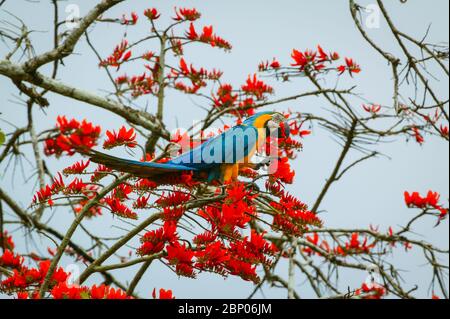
293	216
154	242
430	201
280	170
350	66
355	246
266	66
235	213
101	172
130	21
208	36
72	135
152	14
197	77
6	241
418	135
256	87
315	240
163	294
120	209
45	195
372	109
122	138
24	278
225	97
77	168
118	57
313	60
181	257
371	292
444	131
26	281
185	14
77	188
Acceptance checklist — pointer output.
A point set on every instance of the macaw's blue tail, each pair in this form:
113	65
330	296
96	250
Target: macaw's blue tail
139	169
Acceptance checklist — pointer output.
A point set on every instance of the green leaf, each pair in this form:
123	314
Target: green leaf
2	137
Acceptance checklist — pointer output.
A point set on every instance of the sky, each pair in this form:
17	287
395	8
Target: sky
372	193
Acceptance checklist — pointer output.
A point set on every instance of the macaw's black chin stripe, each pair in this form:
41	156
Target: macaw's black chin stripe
282	132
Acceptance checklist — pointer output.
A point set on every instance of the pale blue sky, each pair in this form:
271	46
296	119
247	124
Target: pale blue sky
371	193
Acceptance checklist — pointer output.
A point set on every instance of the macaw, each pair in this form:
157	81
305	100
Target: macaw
219	159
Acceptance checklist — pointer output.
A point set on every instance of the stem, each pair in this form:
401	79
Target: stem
62	247
138	277
151	143
291	282
340	162
92	268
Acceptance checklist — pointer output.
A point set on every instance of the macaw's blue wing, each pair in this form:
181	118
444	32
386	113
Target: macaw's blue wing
230	147
139	169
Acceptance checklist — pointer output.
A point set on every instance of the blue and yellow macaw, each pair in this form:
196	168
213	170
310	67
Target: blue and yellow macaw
219	159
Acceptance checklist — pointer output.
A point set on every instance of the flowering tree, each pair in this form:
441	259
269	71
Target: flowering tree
247	229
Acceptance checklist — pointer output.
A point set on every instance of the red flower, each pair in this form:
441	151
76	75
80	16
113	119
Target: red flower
118	57
350	66
119	209
181	257
322	55
132	21
154	241
355	246
264	66
418	136
122	191
256	87
214	257
444	131
98	292
192	33
205	238
372	291
244	270
145	185
275	64
44	195
123	137
335	56
77	168
62	291
8	259
152	14
174	199
303	59
185	14
208	36
173	213
163	294
23	295
72	135
6	241
141	202
101	172
281	170
225	97
373	109
430	201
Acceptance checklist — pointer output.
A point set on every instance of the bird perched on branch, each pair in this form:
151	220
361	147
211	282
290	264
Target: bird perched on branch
218	160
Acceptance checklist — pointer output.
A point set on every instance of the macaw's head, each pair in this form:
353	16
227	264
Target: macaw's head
271	121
